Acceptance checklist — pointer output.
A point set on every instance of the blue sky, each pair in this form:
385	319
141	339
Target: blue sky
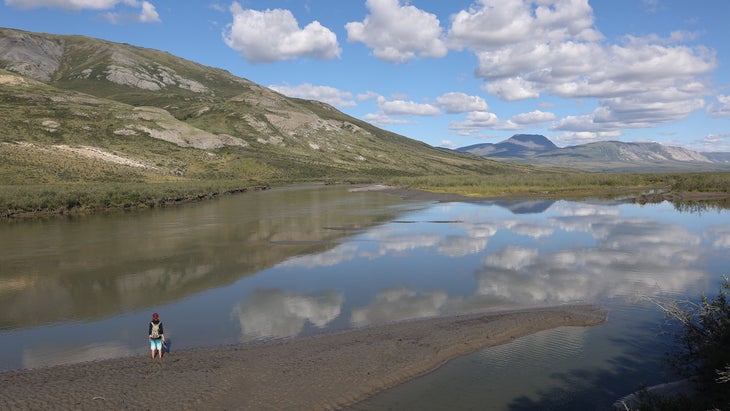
451	73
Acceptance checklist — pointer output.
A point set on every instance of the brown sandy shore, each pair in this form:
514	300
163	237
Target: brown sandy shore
320	372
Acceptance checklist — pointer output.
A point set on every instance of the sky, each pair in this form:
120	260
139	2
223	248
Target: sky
450	73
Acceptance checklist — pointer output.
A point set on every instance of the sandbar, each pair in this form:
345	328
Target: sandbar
321	372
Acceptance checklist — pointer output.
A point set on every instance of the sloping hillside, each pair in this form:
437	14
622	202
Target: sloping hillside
77	108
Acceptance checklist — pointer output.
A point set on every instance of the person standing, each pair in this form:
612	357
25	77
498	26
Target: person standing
157	337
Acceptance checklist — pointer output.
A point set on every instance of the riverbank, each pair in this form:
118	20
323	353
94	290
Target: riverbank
18	202
48	201
320	372
654	197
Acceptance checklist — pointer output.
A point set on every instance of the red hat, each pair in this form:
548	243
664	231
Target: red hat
155	315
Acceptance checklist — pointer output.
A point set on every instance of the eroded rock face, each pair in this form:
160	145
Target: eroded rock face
40	57
253	114
682	154
32	56
129	71
128	77
657	152
168	128
12	80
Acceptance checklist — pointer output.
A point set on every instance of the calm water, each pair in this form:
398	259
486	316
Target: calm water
299	261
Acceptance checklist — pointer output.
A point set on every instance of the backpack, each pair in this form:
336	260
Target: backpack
155	330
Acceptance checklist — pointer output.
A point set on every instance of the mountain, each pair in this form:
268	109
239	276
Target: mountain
82	109
718	157
605	156
519	145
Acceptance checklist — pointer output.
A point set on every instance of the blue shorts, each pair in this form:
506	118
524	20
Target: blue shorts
156	344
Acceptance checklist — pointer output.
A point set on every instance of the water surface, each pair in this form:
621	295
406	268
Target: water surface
306	260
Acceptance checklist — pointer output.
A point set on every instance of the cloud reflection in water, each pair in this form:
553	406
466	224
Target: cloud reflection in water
528	229
337	255
396	304
631	256
721	236
274	313
582	252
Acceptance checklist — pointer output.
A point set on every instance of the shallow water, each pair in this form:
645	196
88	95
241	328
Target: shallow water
305	260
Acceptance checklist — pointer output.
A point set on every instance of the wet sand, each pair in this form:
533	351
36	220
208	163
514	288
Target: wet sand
321	372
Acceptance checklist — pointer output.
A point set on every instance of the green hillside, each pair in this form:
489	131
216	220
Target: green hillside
183	120
78	110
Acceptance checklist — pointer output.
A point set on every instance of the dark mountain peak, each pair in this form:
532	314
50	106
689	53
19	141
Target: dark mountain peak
519	145
531	141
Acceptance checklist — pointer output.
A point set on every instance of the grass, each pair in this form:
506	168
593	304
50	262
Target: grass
114	194
567	184
47	199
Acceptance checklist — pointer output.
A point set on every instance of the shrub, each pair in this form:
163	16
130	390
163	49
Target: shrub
704	344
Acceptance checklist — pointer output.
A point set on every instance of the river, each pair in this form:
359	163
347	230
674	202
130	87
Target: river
298	261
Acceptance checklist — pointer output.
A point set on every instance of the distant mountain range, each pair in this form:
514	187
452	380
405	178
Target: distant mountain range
605	156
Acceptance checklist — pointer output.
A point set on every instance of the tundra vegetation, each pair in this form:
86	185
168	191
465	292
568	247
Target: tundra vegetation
570	183
110	191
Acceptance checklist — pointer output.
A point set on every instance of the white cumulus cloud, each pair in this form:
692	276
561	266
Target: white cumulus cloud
723	108
492	24
477	120
147	11
327	94
527	48
147	14
398	32
381	119
533	117
715	142
274	35
512	89
456	102
407	108
65	4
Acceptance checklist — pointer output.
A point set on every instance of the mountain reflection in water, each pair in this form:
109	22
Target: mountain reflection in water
98	266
